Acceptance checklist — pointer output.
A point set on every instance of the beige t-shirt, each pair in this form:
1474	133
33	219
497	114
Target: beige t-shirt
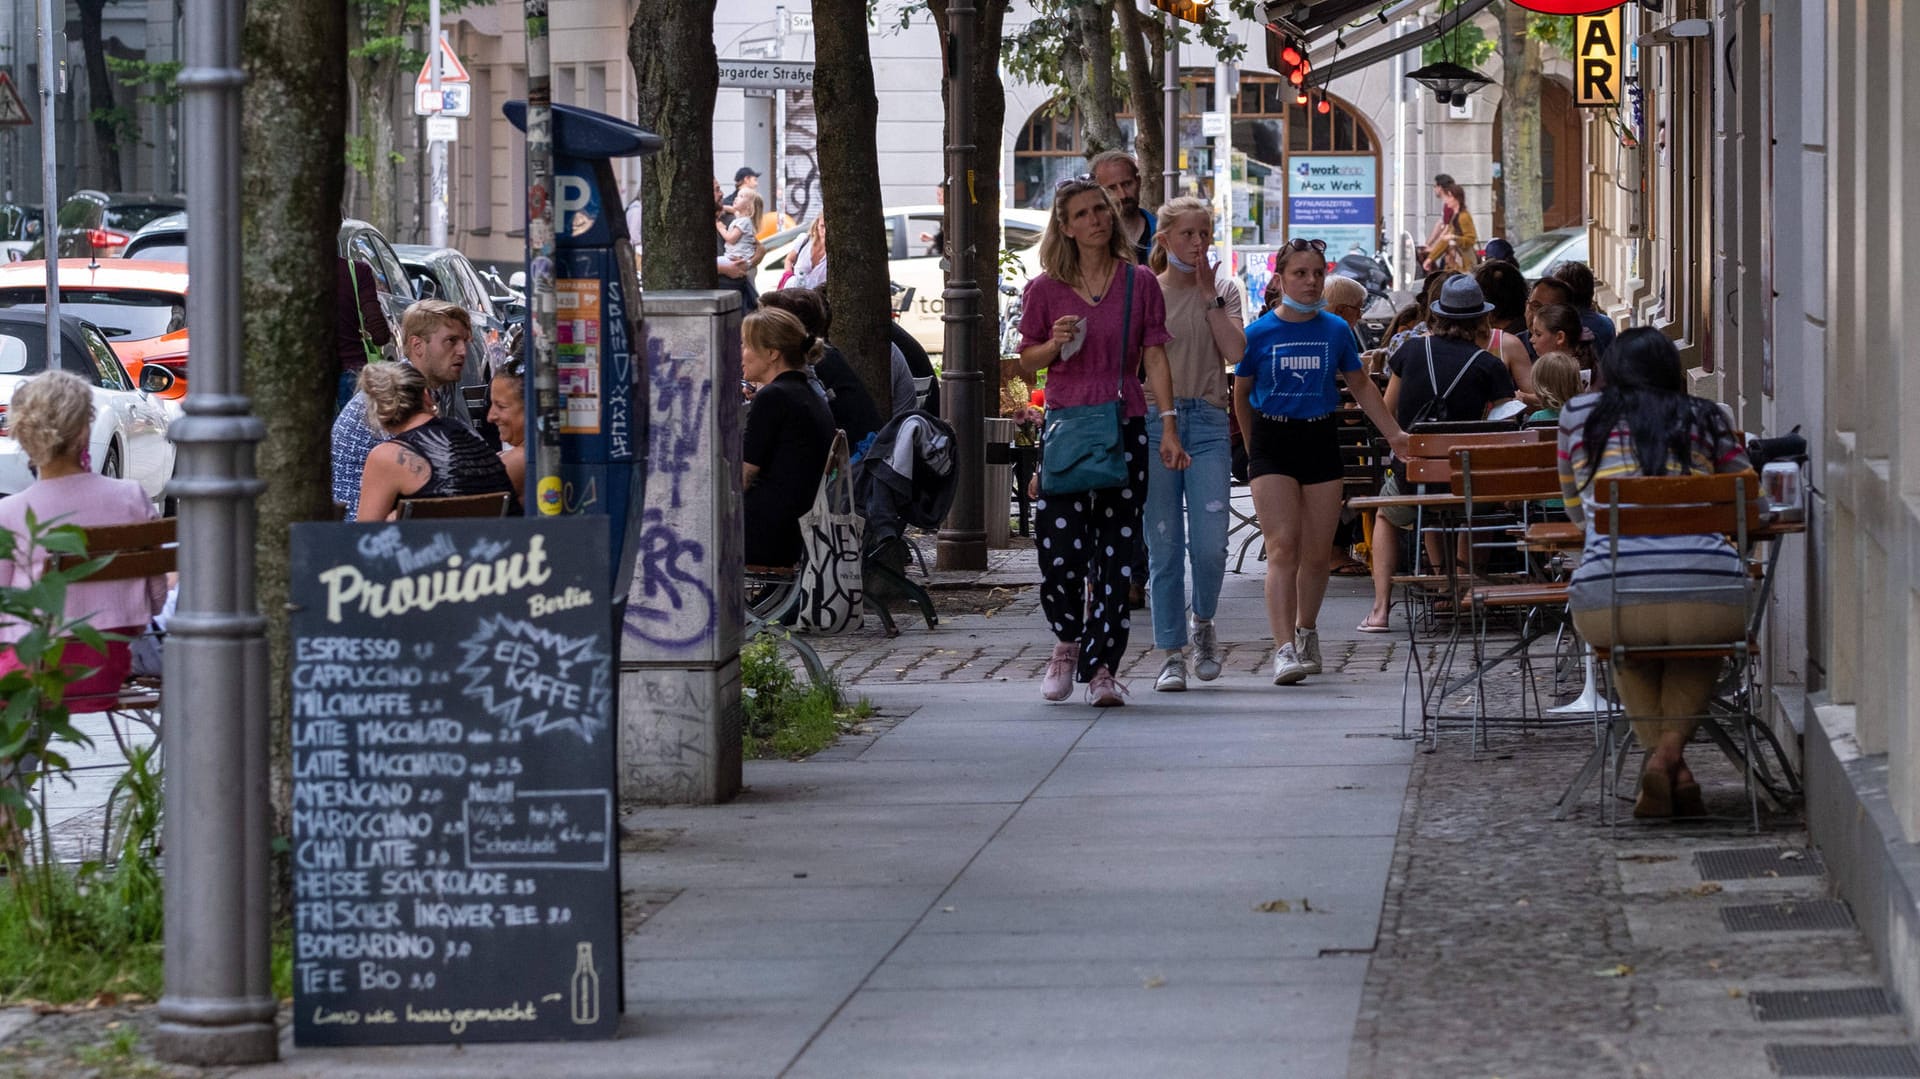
1198	368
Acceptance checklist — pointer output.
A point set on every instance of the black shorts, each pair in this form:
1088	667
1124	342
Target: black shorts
1307	451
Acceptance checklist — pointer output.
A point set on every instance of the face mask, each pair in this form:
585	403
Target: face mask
1292	304
1179	263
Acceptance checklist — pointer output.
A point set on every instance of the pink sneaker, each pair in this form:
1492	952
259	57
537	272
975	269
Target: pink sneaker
1058	683
1105	691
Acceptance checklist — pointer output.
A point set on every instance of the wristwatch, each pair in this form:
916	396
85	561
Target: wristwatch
1219	303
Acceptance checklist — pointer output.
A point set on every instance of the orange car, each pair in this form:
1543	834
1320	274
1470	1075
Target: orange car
141	307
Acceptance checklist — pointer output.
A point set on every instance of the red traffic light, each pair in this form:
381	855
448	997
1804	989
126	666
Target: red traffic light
1291	56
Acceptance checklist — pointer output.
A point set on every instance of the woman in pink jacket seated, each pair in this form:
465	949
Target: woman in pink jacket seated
51	416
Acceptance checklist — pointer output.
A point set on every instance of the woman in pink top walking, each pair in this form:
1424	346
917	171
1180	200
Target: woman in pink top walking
51	417
1091	320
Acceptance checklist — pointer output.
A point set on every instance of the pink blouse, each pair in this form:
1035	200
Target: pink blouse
86	499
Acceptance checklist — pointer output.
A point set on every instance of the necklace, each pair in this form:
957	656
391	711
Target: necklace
1092	296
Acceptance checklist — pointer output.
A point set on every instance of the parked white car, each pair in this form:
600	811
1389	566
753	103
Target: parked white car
1544	253
129	425
914	263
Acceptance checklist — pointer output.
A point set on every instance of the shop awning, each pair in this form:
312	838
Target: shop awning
1316	18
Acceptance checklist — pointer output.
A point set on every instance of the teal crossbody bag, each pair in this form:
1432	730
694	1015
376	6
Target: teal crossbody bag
1081	448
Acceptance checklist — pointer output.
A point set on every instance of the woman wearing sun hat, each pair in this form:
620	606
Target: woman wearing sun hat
1444	376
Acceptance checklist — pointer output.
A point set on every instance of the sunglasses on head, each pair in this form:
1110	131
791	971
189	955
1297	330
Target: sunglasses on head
1307	245
1083	178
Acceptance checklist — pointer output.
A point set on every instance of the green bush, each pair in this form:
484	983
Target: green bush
787	716
68	933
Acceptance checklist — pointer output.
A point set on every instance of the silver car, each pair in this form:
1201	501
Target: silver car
129	438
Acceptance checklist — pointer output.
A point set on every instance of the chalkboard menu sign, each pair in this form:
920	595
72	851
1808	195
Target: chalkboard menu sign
455	874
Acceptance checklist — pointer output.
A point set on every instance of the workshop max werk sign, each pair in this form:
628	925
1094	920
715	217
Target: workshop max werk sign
455	875
1333	198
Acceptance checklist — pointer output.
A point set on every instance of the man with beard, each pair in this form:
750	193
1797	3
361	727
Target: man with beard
1119	174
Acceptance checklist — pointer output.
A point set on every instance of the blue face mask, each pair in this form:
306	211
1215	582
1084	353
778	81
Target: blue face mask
1292	304
1179	263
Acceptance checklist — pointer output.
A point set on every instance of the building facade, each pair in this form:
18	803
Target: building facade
1377	116
1761	222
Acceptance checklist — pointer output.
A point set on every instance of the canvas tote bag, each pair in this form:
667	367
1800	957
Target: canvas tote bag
831	534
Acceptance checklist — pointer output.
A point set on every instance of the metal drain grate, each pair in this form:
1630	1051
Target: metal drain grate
1837	1061
1754	863
1786	1005
1807	914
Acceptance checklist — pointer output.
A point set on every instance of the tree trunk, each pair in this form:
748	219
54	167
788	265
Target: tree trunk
989	112
1520	171
100	93
1143	93
677	73
858	285
1086	67
293	125
376	72
383	179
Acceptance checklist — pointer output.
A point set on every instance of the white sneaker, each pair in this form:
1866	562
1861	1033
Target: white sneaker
1287	668
1206	650
1306	644
1058	683
1105	691
1173	676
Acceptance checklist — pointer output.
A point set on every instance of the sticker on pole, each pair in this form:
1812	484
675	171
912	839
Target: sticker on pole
13	111
454	99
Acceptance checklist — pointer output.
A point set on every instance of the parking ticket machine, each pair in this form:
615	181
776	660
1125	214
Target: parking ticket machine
603	399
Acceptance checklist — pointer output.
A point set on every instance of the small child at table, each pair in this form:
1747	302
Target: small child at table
1556	380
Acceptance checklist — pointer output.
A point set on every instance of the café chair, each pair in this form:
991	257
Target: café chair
1725	506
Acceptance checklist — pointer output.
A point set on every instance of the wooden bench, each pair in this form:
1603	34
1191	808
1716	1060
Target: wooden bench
132	551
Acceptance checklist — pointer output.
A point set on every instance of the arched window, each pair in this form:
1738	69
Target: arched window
1047	151
1268	126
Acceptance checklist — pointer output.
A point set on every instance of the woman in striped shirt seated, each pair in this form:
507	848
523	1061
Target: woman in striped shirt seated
1643	423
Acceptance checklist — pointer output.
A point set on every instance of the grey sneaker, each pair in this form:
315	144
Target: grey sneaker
1173	676
1058	683
1287	668
1306	644
1206	651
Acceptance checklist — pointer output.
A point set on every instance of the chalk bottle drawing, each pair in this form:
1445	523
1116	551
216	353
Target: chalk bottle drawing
586	986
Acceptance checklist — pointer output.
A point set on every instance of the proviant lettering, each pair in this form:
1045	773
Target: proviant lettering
457	583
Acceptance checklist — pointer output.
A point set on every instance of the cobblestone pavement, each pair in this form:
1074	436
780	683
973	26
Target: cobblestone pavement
1513	945
1510	945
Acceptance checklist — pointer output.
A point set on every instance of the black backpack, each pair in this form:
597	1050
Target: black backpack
1437	410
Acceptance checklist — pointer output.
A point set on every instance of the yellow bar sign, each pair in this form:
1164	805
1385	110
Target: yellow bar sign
1600	58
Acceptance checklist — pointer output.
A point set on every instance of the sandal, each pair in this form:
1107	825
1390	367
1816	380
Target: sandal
1352	567
1687	800
1656	795
1369	627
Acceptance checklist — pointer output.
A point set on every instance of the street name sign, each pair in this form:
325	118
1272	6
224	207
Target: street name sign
455	871
767	74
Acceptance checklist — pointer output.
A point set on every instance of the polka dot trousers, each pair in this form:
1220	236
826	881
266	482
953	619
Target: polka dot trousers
1090	537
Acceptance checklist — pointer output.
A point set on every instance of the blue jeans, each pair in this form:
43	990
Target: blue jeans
1186	519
